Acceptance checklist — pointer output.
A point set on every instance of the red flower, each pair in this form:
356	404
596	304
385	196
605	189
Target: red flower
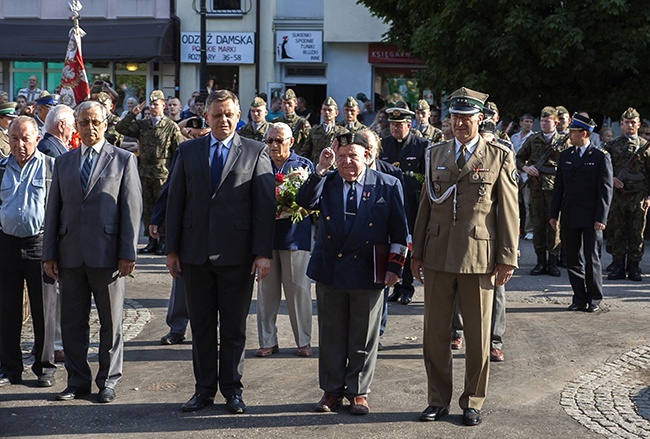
75	141
279	178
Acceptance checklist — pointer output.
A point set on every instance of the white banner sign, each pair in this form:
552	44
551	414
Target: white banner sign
299	46
221	47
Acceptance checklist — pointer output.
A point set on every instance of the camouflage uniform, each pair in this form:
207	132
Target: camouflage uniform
626	220
545	239
250	132
354	127
299	127
431	133
318	140
111	135
157	146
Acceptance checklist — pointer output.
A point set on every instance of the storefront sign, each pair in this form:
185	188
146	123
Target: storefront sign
221	47
299	46
389	54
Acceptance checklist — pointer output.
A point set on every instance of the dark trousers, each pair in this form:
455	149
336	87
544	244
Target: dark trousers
177	315
218	300
78	286
20	262
582	247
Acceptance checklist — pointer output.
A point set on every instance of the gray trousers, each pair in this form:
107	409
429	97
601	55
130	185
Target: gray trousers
288	272
78	285
348	324
498	319
177	314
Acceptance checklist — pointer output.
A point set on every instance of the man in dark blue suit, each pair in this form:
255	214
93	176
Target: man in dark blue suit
361	216
583	193
59	127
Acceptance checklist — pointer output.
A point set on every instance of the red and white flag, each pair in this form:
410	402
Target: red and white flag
74	82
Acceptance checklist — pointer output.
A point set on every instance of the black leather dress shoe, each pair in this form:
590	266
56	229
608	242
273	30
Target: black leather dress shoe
150	248
472	417
433	413
594	307
576	307
538	269
106	395
236	405
406	298
71	393
393	297
162	249
46	380
197	402
171	338
7	381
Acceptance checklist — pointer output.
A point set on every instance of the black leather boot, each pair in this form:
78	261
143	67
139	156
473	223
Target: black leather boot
161	250
540	268
633	271
552	266
618	272
151	247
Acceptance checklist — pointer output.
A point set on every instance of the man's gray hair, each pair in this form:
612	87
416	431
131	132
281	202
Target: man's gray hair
87	105
27	120
57	114
280	126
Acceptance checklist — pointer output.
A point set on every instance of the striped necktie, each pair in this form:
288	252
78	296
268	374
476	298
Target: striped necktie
87	169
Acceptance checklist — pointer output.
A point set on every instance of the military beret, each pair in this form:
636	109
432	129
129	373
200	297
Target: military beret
397	114
548	111
258	102
8	109
487	126
196	122
351	102
466	101
580	122
423	105
362	97
330	102
561	110
401	104
630	113
104	97
289	94
48	100
352	138
156	95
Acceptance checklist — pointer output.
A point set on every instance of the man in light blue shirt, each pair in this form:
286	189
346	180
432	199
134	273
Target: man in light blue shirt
23	189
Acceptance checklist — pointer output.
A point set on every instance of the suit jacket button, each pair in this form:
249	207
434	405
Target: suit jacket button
355	256
340	255
370	225
329	236
327	218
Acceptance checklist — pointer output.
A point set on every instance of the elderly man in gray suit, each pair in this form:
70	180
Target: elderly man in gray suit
91	231
220	221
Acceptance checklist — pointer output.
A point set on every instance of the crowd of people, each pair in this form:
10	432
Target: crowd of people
364	204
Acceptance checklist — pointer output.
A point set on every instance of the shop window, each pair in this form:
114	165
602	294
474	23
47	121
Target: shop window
22	71
224	77
395	84
53	74
130	81
232	8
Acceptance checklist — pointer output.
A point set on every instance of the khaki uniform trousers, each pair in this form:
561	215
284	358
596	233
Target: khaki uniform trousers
475	296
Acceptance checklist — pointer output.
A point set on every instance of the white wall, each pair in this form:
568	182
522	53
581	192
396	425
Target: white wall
347	21
300	8
348	71
58	9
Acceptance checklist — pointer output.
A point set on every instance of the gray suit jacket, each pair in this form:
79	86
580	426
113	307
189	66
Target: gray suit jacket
232	224
101	226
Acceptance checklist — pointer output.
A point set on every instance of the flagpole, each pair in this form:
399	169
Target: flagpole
74	87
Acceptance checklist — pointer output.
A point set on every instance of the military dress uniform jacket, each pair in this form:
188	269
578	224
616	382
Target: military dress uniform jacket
250	132
583	188
356	126
636	179
157	143
318	140
485	227
347	262
299	128
532	150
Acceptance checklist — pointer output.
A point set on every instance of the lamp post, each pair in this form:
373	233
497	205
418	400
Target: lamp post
203	75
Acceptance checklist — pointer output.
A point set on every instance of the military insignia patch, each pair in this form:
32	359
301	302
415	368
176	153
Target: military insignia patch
514	175
396	164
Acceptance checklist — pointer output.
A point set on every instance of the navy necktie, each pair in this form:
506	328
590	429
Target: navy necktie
217	165
350	207
87	169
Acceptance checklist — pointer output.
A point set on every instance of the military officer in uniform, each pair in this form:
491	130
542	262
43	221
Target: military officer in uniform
111	134
627	217
258	126
406	151
429	132
299	125
583	192
563	120
321	136
464	242
7	114
350	114
159	137
538	158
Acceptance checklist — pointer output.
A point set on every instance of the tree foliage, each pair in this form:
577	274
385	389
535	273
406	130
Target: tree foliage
586	55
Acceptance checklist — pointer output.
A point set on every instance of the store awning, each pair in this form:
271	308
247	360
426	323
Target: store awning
106	40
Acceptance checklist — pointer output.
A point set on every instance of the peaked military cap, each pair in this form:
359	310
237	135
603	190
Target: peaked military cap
580	122
258	102
48	100
423	105
630	113
289	94
351	102
352	138
8	109
156	95
466	101
397	114
330	102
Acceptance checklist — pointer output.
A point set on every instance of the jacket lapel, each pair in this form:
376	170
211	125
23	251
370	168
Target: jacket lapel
103	160
204	158
335	200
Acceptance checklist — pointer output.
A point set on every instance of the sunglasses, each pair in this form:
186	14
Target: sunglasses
278	141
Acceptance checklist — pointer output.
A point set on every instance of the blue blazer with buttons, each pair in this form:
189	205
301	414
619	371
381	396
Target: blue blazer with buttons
348	262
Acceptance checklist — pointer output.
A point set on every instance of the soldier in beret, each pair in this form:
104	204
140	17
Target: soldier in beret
321	136
627	216
429	132
563	120
350	116
299	125
464	243
257	127
111	134
406	151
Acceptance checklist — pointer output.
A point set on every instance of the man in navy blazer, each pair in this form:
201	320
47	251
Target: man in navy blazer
361	211
220	221
59	127
582	194
91	232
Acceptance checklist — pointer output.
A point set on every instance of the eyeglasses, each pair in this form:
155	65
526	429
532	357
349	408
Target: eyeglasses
85	122
279	141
